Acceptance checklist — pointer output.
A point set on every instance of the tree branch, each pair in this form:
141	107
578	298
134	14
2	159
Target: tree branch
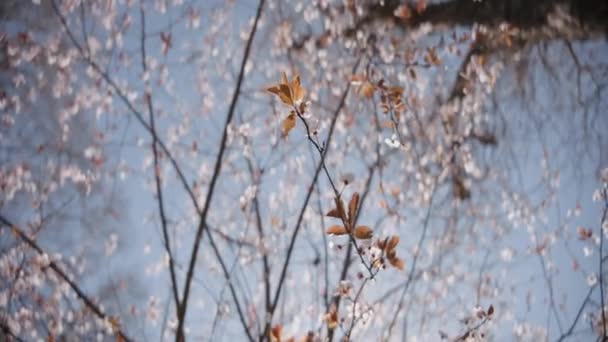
216	172
63	275
157	180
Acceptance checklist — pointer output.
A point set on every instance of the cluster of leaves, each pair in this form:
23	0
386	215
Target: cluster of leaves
290	93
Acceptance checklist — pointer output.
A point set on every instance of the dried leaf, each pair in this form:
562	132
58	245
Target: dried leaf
363	232
282	91
341	211
396	91
366	89
381	243
290	93
491	310
310	337
332	317
288	124
413	73
397	263
459	189
352	208
275	333
431	57
333	213
403	11
337	230
285	94
392	243
297	92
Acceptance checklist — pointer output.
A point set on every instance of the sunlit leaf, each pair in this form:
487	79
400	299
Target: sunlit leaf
288	124
297	92
366	89
290	93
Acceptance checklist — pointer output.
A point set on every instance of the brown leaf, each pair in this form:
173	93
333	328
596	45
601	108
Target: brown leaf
310	337
275	333
392	243
290	93
336	230
431	57
341	211
459	189
397	263
404	12
288	124
297	92
396	91
352	208
381	243
282	91
363	232
333	213
366	89
491	310
413	73
332	317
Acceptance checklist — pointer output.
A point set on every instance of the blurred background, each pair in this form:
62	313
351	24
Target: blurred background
153	189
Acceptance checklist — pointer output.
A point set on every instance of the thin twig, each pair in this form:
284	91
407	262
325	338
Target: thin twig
601	270
181	316
305	204
123	97
578	316
159	189
417	253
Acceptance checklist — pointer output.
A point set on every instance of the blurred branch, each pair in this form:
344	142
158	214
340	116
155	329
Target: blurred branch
123	97
63	275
